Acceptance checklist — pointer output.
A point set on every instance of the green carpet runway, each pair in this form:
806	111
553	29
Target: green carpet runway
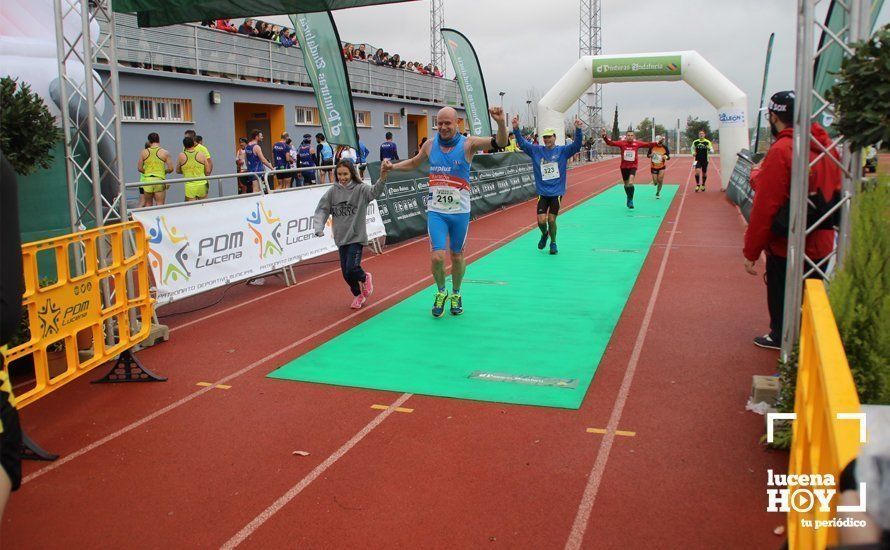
534	327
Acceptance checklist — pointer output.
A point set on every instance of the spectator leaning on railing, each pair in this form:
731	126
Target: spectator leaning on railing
225	25
286	39
247	28
348	52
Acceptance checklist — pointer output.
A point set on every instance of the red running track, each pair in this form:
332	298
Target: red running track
179	465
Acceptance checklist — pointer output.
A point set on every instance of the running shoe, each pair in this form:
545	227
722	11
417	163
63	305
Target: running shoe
657	196
457	305
357	302
259	281
630	204
439	303
553	249
767	341
368	286
543	242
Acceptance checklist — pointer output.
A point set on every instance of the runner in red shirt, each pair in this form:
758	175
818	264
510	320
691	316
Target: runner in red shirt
629	159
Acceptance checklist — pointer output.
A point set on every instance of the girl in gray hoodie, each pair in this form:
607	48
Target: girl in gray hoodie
347	202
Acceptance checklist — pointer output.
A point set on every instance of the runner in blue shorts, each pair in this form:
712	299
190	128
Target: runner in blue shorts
450	156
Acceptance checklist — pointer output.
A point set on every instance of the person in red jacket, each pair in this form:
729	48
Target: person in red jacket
768	226
629	160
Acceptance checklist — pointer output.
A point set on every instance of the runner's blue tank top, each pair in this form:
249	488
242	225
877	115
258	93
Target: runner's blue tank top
449	178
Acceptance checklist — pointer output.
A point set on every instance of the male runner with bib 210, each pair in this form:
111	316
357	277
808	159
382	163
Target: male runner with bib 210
659	156
629	160
450	156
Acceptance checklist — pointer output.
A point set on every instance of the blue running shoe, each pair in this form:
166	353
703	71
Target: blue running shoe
543	242
553	249
630	204
457	305
439	303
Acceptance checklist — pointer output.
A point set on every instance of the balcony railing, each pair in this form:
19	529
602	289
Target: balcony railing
199	50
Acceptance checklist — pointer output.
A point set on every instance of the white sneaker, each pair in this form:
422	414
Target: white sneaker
257	282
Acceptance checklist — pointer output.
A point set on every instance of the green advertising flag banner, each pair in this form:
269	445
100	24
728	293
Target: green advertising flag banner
469	77
320	45
656	65
769	54
829	63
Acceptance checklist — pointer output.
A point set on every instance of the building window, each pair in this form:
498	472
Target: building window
363	119
128	108
306	116
392	120
146	109
156	109
435	122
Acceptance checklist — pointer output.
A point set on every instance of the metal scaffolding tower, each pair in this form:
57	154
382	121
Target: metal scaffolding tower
590	42
92	146
809	106
437	43
82	96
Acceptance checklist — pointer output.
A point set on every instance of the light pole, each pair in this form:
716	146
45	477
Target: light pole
502	94
528	109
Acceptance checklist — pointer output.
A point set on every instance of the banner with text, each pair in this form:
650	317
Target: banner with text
472	84
496	181
201	246
628	67
320	44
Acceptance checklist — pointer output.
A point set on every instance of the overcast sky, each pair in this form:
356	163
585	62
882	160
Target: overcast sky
526	45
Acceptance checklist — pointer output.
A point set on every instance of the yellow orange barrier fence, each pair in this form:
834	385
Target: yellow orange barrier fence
825	438
73	308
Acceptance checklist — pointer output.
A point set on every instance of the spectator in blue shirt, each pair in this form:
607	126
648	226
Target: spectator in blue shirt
549	164
363	154
325	154
388	149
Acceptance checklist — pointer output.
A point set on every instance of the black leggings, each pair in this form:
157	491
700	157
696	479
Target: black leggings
351	265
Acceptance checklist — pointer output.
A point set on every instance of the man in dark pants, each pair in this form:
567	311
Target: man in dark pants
11	290
768	227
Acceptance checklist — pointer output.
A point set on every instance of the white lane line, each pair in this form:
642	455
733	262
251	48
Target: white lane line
576	536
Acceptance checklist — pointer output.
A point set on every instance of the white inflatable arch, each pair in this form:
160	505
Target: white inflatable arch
731	103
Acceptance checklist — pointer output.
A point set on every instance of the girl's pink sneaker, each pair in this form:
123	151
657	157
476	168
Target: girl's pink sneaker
368	287
358	302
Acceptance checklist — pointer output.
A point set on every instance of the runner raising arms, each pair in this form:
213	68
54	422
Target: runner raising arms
549	164
700	148
629	160
659	154
450	156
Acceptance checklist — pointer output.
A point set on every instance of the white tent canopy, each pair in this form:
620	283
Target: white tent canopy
731	103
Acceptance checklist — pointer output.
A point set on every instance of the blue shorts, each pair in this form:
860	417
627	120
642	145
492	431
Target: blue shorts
453	226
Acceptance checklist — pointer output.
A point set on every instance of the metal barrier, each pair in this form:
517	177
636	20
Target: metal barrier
212	52
73	307
823	443
263	177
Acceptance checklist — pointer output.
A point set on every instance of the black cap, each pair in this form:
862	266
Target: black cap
782	102
307	136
